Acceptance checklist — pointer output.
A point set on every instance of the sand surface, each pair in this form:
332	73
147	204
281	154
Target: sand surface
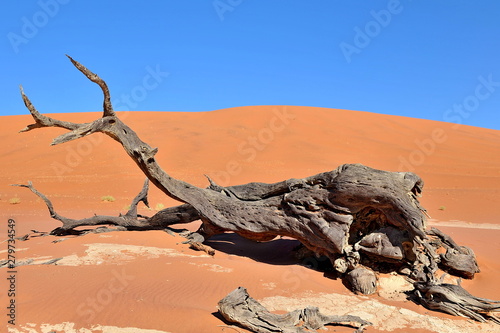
150	282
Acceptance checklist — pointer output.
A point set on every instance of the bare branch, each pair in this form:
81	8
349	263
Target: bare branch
107	107
52	212
131	220
41	120
83	130
70	224
239	307
142	196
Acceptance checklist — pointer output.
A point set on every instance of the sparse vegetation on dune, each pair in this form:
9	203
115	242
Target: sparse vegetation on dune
15	201
107	198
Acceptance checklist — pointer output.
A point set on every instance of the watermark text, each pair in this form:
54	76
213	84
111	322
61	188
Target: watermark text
11	272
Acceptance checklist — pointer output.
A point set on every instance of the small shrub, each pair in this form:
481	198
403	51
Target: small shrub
14	201
442	208
159	206
108	198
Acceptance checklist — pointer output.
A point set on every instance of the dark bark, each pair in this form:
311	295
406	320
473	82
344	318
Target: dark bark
354	215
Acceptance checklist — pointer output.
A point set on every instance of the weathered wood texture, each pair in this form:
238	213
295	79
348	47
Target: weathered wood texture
354	215
239	307
455	300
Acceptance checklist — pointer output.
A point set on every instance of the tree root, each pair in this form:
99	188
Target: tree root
455	300
239	307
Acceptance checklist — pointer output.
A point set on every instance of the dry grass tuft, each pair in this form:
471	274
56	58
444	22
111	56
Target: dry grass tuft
15	201
108	198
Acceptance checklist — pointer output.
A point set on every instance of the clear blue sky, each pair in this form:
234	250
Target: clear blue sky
436	60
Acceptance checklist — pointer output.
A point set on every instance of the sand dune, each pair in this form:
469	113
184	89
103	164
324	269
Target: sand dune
149	281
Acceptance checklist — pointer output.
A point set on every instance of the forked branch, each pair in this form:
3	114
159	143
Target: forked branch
131	220
41	120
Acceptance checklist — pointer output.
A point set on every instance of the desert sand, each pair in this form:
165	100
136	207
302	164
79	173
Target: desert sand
150	282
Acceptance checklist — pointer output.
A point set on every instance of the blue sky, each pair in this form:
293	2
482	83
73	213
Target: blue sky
427	59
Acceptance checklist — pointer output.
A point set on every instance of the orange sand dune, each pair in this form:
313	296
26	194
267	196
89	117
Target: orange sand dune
149	282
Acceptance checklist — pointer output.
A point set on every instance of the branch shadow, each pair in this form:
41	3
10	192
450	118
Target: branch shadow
236	327
279	251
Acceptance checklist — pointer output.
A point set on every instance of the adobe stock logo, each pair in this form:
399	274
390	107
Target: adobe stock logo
76	153
373	28
470	103
223	6
152	80
249	148
97	302
456	114
32	25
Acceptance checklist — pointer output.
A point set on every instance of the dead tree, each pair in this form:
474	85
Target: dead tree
361	219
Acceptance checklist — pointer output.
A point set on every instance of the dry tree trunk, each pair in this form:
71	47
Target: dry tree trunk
361	218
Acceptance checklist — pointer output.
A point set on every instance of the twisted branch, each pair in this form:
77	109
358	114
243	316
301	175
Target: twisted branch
129	220
107	107
239	307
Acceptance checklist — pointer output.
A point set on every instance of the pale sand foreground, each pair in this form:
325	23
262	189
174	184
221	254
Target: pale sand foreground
149	282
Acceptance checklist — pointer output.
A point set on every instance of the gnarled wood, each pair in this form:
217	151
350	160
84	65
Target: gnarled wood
239	307
455	300
362	280
354	215
458	260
